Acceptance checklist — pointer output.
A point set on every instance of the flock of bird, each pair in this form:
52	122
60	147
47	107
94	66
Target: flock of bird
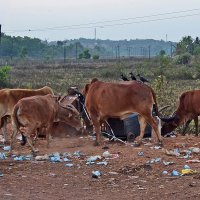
133	77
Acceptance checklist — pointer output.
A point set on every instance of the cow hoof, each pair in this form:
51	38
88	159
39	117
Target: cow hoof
160	144
136	144
96	143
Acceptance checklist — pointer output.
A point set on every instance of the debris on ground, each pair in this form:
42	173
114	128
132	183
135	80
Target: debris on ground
96	174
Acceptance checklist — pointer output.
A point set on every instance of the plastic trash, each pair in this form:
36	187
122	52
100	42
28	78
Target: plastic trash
193	161
1	174
55	157
96	174
174	152
194	149
102	163
154	160
165	172
141	153
188	171
106	154
186	167
42	158
175	173
6	148
69	165
90	163
93	158
66	160
156	147
168	163
77	154
2	156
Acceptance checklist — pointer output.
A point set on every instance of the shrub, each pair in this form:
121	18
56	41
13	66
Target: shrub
4	75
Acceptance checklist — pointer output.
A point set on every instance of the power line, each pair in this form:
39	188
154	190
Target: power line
82	26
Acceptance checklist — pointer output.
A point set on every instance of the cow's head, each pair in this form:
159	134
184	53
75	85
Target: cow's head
169	124
87	86
70	115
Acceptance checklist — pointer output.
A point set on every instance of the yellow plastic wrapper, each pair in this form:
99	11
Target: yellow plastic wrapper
188	171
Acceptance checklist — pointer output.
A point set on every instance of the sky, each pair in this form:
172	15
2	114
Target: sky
54	20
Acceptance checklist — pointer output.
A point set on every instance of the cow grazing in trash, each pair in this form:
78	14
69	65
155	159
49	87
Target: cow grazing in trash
8	99
40	112
110	100
187	110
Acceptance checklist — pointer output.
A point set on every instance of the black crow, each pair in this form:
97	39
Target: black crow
132	76
124	78
142	79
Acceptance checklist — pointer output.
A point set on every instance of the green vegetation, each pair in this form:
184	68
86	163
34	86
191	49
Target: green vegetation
4	75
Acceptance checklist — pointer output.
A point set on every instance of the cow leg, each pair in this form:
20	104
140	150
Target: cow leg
186	126
13	137
196	125
143	124
4	128
156	126
30	142
97	130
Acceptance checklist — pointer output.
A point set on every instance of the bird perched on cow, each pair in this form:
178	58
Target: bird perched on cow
142	79
124	78
132	76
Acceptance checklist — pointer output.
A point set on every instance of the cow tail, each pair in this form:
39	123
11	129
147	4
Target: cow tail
155	103
17	124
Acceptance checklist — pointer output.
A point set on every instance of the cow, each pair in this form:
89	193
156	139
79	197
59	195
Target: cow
35	113
9	97
118	100
188	109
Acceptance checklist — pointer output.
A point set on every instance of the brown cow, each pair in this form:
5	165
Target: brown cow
105	100
9	97
40	112
188	109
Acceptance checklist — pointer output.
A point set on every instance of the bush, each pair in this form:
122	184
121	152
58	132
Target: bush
95	57
4	75
184	58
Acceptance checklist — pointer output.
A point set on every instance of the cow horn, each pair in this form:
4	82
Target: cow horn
163	108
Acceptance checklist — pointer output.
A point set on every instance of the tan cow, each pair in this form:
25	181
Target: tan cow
9	97
110	100
40	112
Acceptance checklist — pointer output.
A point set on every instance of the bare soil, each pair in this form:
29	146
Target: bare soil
127	176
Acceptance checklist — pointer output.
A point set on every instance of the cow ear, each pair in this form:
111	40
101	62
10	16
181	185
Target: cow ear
94	80
85	91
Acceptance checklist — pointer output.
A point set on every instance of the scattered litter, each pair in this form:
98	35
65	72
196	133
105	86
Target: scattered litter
77	154
186	167
2	156
175	173
168	163
113	173
96	174
93	158
174	152
52	174
154	160
193	161
165	172
156	147
141	153
42	158
22	158
69	165
106	154
55	157
102	163
1	174
188	171
194	149
6	148
66	160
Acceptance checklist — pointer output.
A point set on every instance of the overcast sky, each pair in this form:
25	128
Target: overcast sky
38	15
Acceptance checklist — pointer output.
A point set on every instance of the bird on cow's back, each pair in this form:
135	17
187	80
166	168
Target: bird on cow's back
124	78
132	76
142	79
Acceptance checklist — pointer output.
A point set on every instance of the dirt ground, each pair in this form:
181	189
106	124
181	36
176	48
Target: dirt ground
127	175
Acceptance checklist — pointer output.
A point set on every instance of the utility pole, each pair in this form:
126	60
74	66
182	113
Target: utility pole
149	52
95	33
64	54
76	50
118	50
0	40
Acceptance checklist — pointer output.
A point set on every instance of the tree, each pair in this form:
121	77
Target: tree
23	52
85	54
